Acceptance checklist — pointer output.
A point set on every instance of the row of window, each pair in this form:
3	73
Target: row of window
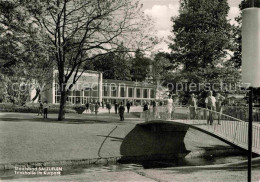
130	93
93	92
84	100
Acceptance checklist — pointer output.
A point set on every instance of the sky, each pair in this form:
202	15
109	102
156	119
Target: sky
162	11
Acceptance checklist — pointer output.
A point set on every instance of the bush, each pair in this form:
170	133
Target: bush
32	108
79	108
6	107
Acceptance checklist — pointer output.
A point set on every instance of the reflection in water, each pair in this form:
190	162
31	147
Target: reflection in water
117	167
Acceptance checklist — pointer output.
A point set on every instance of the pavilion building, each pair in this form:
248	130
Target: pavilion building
92	87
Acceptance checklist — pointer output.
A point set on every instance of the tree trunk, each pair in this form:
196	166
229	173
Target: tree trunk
37	94
63	100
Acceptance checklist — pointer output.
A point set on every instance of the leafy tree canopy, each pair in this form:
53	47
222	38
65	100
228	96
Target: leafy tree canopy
114	65
201	44
201	33
140	66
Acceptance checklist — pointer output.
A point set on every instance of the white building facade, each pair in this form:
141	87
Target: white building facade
91	87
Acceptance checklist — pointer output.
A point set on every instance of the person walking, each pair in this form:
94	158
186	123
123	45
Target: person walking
87	106
97	105
40	109
91	107
108	107
45	109
146	111
192	106
219	100
128	105
116	107
210	102
155	112
121	111
169	107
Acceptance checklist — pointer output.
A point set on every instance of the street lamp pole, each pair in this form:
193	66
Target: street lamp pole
248	51
250	123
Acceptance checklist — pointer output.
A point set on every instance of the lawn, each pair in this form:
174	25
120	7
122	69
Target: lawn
27	137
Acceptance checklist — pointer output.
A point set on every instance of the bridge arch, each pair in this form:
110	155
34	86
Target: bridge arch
226	128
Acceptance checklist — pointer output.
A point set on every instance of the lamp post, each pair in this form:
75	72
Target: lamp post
250	64
250	123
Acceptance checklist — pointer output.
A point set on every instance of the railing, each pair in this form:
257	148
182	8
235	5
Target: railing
227	127
242	112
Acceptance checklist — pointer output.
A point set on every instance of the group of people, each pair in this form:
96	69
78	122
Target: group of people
119	108
212	104
152	108
43	109
213	107
92	107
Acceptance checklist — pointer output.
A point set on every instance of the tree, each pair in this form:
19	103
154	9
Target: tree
162	64
201	33
201	39
114	65
81	31
24	50
13	33
140	66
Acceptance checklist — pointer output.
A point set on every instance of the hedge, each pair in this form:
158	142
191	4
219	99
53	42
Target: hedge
33	108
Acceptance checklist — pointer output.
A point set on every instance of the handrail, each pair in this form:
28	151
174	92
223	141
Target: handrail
221	114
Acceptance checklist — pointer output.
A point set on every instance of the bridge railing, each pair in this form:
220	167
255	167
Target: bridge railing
242	112
232	129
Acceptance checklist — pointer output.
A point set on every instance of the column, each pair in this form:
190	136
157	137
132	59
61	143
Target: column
100	85
126	93
53	86
83	96
109	91
118	91
134	95
141	94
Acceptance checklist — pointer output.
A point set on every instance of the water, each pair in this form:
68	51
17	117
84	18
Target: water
117	167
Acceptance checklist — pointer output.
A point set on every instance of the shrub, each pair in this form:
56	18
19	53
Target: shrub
6	107
32	108
79	108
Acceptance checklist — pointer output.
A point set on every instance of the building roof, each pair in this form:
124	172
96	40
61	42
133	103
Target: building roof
80	70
